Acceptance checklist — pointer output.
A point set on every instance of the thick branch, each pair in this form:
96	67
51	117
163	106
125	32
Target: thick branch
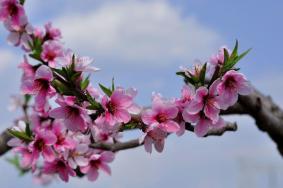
4	138
136	142
117	146
268	116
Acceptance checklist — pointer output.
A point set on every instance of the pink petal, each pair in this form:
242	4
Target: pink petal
213	87
159	145
245	88
148	117
182	129
148	144
171	112
92	174
195	107
64	174
105	168
121	100
190	118
48	154
59	113
44	72
41	100
81	161
170	126
202	127
14	38
75	123
85	169
107	156
123	116
48	137
211	112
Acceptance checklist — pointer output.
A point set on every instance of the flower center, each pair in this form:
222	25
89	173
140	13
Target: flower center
230	82
61	164
50	55
161	118
95	163
73	111
42	84
13	9
111	107
39	144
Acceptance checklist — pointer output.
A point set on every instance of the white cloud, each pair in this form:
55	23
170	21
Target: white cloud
139	31
6	58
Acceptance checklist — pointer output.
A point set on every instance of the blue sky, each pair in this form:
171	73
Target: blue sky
142	43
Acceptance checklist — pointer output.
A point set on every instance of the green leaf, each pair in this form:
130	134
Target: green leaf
61	88
21	135
22	2
202	74
187	79
75	76
243	55
72	66
235	50
113	84
85	83
93	104
226	56
106	90
15	161
235	61
27	98
28	130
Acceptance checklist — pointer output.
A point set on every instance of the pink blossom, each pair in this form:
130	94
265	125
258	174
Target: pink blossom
187	95
206	100
155	137
43	142
61	167
51	51
51	33
77	156
40	87
202	123
161	115
82	64
20	35
134	108
98	162
27	157
116	108
12	11
64	141
43	179
74	117
232	84
218	59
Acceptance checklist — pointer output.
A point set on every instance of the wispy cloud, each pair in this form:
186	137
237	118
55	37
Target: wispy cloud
6	58
138	32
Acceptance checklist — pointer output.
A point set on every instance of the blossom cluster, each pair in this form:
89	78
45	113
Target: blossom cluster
64	115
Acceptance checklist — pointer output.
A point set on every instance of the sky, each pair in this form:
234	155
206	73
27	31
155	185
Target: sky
142	43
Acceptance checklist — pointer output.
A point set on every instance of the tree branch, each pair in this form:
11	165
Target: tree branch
267	115
4	138
136	142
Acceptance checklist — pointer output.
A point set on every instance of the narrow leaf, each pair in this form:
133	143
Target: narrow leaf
106	90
